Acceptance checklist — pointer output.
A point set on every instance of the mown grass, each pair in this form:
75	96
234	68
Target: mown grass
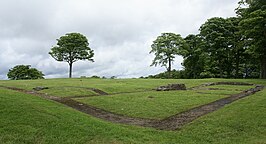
68	87
231	87
243	121
68	91
153	105
30	119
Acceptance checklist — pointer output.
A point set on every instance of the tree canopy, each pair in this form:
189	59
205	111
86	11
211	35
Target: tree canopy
194	56
24	72
232	47
217	33
253	27
165	47
71	48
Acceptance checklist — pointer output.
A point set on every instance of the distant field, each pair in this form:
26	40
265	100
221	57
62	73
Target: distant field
26	118
76	87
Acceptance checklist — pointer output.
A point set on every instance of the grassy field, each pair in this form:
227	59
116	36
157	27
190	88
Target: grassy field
230	87
76	87
152	105
29	119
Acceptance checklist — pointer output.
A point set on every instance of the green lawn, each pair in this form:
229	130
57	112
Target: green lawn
231	88
153	105
243	121
68	87
29	119
68	91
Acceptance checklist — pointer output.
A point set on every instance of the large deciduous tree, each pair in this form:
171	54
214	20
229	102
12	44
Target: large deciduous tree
194	56
165	47
253	27
216	33
24	72
71	48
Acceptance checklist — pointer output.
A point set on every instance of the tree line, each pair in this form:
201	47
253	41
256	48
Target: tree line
232	47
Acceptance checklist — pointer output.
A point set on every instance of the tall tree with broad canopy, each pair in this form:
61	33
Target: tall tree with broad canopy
194	56
216	33
71	48
253	26
24	72
165	47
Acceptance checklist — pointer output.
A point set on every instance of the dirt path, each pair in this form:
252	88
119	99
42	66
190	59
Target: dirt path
171	123
97	91
111	94
177	121
102	114
219	83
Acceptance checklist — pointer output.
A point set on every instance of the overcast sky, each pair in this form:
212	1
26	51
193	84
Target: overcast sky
119	31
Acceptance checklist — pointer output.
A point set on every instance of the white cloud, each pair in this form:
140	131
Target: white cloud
119	31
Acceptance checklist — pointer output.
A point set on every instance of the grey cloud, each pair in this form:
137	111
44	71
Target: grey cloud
119	31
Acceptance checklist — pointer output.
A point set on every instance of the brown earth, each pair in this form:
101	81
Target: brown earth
171	123
97	91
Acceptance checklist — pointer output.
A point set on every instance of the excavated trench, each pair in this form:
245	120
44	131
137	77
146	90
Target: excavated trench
171	123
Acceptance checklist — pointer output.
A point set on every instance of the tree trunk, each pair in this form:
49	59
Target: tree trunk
263	67
70	70
169	69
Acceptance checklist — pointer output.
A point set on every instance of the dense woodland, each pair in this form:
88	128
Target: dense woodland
232	47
